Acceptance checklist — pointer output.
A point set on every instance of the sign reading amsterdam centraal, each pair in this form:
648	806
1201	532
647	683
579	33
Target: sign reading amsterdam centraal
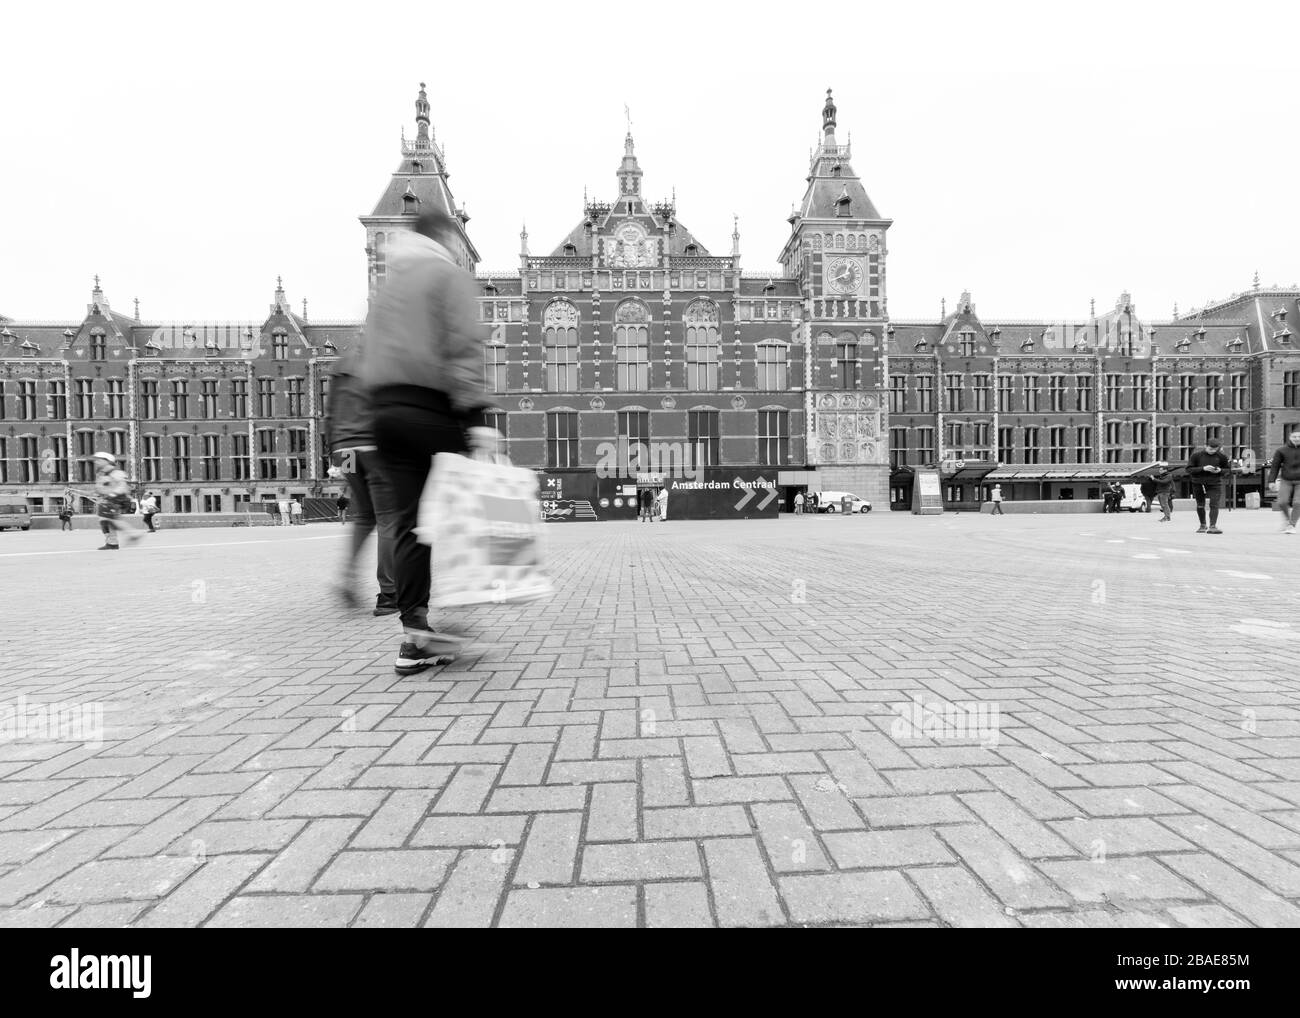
713	493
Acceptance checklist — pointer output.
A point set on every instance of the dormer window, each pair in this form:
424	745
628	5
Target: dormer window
1027	346
1183	345
1279	314
570	250
28	348
1235	345
691	249
835	170
98	345
417	167
280	346
151	348
843	206
966	343
1199	333
921	345
1284	336
490	288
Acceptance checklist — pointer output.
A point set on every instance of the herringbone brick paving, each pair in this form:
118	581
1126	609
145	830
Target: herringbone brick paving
701	728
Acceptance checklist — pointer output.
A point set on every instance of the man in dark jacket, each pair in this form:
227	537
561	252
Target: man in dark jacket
1285	473
1207	469
422	362
1163	480
349	430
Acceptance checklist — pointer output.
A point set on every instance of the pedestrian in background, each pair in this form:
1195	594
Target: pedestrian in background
295	512
350	434
114	502
342	502
996	499
284	512
1285	470
798	503
661	503
65	517
1207	468
422	362
1163	479
149	509
646	500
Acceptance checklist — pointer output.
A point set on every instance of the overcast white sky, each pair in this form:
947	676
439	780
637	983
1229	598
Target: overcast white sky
1034	155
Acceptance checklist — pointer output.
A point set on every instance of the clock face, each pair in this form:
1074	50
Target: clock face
844	275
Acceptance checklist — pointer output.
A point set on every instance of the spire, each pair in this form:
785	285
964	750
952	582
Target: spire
304	309
1256	284
97	295
137	309
523	239
828	120
735	234
629	173
422	118
279	292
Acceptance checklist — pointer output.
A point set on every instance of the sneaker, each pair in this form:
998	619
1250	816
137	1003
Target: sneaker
1214	530
107	547
385	609
1201	529
1290	529
433	649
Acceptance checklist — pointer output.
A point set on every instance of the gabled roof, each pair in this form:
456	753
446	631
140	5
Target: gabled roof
830	180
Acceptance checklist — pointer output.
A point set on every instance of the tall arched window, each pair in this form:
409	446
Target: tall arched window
702	339
560	334
846	354
771	360
98	345
380	264
632	346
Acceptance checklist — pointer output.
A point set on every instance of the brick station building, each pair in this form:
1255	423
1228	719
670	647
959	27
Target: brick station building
631	350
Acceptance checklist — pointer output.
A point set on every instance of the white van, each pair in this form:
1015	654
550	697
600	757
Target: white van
833	502
1133	500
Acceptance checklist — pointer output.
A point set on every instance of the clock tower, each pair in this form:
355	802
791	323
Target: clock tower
836	251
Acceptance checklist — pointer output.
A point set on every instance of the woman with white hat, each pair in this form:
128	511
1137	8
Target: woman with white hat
114	501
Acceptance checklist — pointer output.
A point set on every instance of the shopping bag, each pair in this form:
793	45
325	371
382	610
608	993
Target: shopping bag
483	521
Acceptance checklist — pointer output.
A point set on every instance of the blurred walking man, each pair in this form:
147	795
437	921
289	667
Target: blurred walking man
114	501
422	362
1286	475
1207	468
351	436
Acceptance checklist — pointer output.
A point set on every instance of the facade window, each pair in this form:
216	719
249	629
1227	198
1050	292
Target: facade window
85	398
211	457
925	447
560	334
846	360
1213	431
1005	393
59	447
1056	394
953	389
1213	392
494	361
703	436
323	395
634	431
1031	445
293	395
181	400
773	437
1006	445
1162	443
241	465
181	457
982	430
1162	394
1291	388
298	453
772	372
27	400
1114	383
28	460
208	399
151	459
561	440
98	346
1083	394
212	503
632	347
4	461
1238	441
182	503
239	397
279	346
1239	390
1141	439
496	419
1141	392
925	394
267	467
85	452
2	398
1186	442
983	394
1187	392
966	343
897	448
117	443
1056	445
1113	440
897	394
954	433
58	400
116	399
1031	395
702	345
1083	445
266	397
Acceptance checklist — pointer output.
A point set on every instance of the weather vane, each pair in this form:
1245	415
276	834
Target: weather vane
628	113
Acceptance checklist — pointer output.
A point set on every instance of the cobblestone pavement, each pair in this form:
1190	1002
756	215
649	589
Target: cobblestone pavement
956	721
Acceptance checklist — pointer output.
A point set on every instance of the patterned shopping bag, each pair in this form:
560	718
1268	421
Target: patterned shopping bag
483	521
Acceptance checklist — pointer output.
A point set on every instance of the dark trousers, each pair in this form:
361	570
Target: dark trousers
997	509
411	426
1208	493
372	508
148	522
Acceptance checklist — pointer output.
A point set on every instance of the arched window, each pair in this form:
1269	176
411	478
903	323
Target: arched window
632	346
560	335
846	360
702	339
280	345
771	362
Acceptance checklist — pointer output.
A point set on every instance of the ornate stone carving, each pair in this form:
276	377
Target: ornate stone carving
526	403
668	403
560	314
597	403
737	402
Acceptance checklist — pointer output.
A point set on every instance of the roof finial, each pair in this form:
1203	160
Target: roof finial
137	309
1257	279
1175	309
1092	307
279	283
97	279
828	120
422	118
628	113
943	301
304	309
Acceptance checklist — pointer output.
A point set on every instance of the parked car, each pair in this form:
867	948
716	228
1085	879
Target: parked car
16	515
833	502
1133	500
